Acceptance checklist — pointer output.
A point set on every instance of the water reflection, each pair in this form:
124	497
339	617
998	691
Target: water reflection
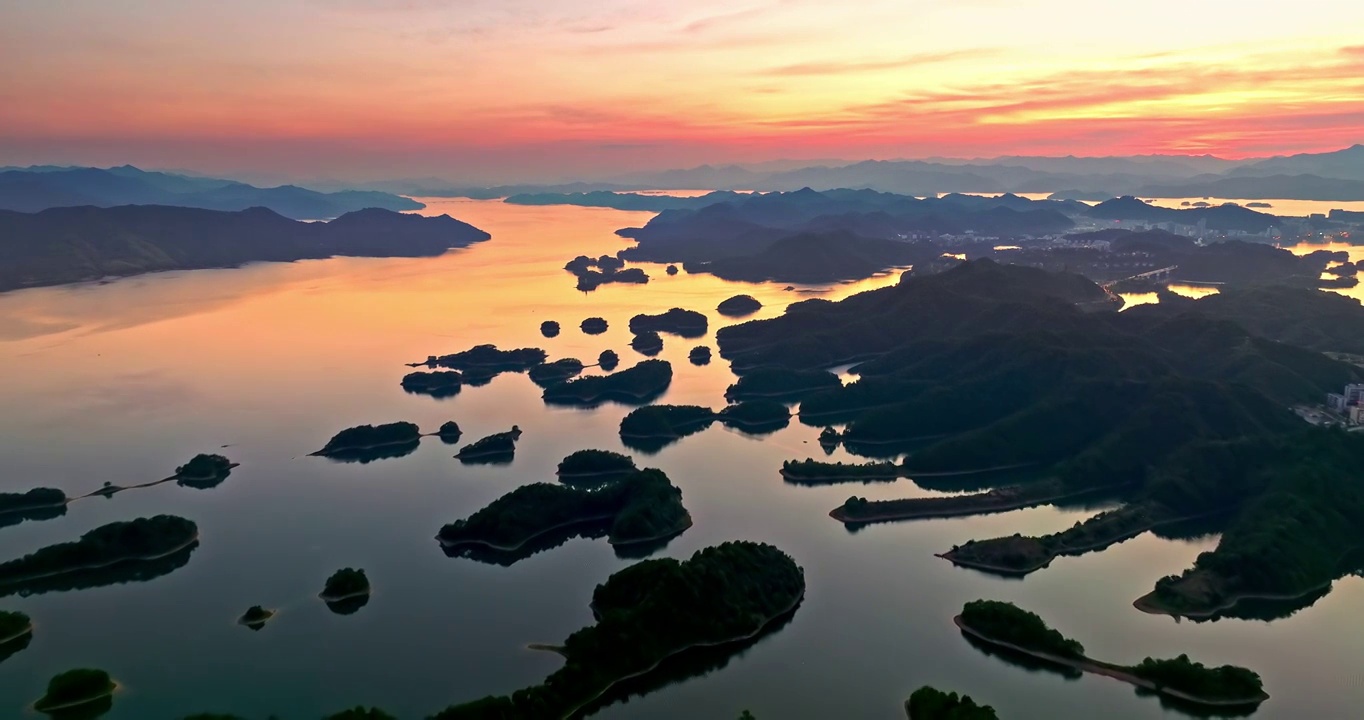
365	456
128	571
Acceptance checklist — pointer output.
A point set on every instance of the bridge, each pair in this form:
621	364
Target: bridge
1161	274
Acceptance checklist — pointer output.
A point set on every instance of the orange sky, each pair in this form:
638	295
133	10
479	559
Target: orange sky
519	89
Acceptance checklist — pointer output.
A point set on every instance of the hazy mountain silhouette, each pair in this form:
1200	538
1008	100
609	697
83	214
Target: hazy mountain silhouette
35	189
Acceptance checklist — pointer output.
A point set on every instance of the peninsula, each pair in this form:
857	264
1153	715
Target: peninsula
1012	628
651	611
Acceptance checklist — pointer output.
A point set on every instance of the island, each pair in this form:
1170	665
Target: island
638	384
654	426
14	626
594	272
75	688
489	359
438	384
76	244
593	326
608	360
591	467
647	343
364	438
1007	626
739	306
554	373
651	611
814	472
204	470
641	507
345	584
449	432
498	447
685	323
699	355
549	328
36	504
929	703
672	270
756	416
132	541
829	439
255	617
781	383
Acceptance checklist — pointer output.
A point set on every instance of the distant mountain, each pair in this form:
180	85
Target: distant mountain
1347	164
623	201
1288	187
35	189
820	258
1222	217
73	244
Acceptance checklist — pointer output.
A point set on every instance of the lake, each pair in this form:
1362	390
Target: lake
122	382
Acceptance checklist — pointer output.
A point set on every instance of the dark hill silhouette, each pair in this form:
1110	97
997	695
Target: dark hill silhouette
62	245
1222	217
42	188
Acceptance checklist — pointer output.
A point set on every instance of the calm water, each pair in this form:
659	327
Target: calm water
121	382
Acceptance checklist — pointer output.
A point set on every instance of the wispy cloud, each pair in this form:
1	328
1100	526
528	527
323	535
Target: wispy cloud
842	67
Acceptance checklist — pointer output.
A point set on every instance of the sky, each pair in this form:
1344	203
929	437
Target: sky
520	90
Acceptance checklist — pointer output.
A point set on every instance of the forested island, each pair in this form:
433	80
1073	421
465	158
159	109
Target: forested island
653	610
699	355
75	688
593	466
14	626
1010	627
595	272
739	306
684	323
143	539
593	326
255	617
929	703
608	360
449	432
639	507
549	328
438	384
496	447
486	361
756	416
814	472
647	343
363	438
553	373
637	384
74	244
35	504
345	584
781	383
204	469
653	426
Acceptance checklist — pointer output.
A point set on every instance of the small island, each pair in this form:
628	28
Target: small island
345	584
686	323
929	703
781	383
489	359
671	270
593	326
739	306
665	421
553	373
594	272
549	328
204	469
358	439
651	611
642	507
449	432
1012	628
14	626
438	384
756	416
107	545
35	499
594	466
493	448
75	688
647	343
637	384
814	472
255	617
859	510
829	439
608	360
699	355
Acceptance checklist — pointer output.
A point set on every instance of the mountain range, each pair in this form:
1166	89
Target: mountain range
39	188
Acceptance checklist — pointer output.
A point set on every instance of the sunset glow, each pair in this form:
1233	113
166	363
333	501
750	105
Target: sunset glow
513	89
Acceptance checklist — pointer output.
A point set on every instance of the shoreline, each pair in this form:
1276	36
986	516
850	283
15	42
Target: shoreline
762	626
335	452
836	479
99	566
16	636
513	548
203	478
47	506
1067	551
113	687
338	598
685	526
1117	672
594	474
927	514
